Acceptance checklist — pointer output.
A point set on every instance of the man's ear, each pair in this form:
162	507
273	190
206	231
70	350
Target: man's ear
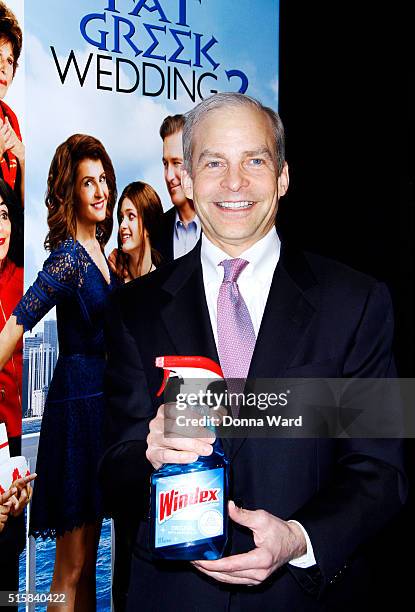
187	184
283	181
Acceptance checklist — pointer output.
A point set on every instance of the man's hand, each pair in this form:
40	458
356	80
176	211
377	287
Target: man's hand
186	448
23	495
5	509
276	543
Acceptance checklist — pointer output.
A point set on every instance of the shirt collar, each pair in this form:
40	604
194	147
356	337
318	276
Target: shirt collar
195	220
263	257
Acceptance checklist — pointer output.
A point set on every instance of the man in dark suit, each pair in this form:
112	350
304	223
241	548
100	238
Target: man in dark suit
180	229
305	509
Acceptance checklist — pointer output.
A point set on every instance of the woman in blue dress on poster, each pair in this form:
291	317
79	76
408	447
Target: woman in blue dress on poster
76	278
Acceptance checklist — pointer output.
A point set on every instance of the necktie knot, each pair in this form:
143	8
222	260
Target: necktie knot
233	268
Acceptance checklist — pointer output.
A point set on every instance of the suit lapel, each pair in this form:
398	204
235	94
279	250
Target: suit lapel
163	241
290	308
185	312
287	315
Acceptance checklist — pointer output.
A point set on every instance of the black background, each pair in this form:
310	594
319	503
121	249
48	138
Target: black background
346	98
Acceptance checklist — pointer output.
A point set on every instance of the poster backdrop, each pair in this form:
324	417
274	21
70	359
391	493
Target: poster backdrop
114	69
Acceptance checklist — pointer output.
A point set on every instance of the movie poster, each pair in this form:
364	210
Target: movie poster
114	69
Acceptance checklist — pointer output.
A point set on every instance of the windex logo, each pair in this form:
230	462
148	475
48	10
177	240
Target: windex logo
173	501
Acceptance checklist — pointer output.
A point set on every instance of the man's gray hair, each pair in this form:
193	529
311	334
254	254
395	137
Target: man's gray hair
226	100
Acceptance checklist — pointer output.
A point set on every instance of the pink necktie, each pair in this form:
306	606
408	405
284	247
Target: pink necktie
236	335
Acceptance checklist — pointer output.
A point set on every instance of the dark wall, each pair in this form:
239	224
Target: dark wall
347	102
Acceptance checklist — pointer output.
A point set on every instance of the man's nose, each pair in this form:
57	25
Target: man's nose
170	174
235	178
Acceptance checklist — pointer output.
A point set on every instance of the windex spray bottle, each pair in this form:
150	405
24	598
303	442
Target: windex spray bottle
189	511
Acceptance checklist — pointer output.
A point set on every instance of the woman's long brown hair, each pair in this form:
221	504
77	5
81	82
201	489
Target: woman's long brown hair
150	212
60	196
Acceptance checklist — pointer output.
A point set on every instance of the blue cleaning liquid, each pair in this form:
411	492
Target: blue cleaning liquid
189	508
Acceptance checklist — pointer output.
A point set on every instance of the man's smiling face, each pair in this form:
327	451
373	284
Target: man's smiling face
234	182
173	162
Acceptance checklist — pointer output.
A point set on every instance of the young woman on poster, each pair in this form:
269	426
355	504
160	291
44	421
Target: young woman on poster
140	215
80	199
12	151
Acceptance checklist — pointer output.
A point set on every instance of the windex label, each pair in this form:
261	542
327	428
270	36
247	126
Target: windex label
175	500
189	507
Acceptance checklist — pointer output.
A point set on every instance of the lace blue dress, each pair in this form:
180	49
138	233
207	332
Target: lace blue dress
66	493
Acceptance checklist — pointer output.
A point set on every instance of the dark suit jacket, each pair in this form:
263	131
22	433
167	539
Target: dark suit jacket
164	239
321	319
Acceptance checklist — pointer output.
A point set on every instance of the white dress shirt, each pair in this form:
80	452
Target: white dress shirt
254	283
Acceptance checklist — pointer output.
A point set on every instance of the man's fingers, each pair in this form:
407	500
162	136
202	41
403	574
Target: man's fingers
229	579
178	448
252	560
168	455
253	519
194	445
181	429
191	445
185	424
251	576
158	454
248	568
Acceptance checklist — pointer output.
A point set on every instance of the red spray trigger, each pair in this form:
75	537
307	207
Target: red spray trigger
191	364
166	375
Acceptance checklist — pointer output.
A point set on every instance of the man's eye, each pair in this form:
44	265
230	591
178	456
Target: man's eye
213	164
256	161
